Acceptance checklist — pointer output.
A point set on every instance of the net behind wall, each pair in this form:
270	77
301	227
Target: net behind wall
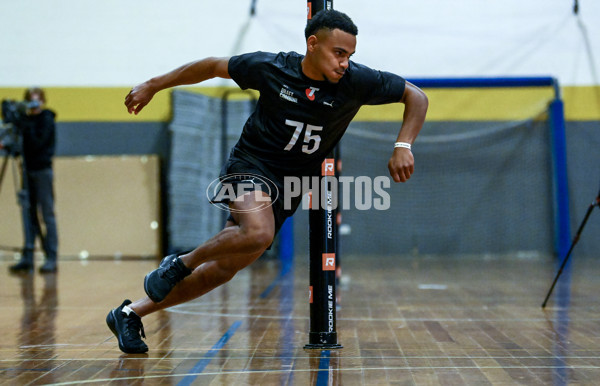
478	187
196	160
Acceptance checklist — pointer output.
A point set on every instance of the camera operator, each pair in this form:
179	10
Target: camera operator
39	136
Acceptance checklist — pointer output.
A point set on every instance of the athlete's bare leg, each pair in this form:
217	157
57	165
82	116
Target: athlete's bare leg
216	261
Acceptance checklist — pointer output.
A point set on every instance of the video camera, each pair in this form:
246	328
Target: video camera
14	112
13	116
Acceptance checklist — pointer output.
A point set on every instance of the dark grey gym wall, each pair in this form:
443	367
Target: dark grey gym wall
112	138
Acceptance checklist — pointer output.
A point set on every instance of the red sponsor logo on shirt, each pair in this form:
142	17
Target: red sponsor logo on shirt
310	93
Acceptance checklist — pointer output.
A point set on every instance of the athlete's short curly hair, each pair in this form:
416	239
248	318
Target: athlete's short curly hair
330	19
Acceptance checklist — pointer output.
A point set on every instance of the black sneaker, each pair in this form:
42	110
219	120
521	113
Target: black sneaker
21	267
25	264
127	329
161	281
49	266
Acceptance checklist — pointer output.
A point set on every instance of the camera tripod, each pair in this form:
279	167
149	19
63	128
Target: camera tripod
596	202
22	193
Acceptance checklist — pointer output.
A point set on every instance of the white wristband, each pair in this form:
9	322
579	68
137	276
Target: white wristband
402	144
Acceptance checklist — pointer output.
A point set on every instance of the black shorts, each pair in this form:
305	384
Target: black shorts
240	176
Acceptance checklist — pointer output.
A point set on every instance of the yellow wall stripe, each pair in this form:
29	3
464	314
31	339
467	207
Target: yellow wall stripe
97	104
105	104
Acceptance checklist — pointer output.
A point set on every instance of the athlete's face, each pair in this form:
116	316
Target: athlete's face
329	54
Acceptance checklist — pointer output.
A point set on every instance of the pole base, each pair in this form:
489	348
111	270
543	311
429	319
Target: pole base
322	341
322	346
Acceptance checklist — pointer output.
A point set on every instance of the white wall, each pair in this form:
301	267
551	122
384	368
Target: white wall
120	43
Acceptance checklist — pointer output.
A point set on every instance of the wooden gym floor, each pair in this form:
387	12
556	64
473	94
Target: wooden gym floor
402	321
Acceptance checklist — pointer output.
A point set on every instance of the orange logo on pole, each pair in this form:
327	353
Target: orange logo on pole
310	292
327	167
328	261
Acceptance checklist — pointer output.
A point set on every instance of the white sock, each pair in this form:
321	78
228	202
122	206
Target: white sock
127	310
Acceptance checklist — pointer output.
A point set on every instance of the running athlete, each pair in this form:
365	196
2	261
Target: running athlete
305	105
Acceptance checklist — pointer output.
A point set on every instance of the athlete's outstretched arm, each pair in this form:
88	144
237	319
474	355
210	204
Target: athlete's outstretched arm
402	162
191	73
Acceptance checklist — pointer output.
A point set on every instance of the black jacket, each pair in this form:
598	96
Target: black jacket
39	139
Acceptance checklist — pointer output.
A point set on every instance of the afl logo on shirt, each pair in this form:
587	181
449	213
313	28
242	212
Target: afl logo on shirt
310	93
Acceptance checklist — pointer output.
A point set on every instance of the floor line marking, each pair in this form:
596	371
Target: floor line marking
180	310
359	369
306	357
202	363
323	376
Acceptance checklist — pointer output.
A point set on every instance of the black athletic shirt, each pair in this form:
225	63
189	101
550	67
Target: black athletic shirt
297	120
